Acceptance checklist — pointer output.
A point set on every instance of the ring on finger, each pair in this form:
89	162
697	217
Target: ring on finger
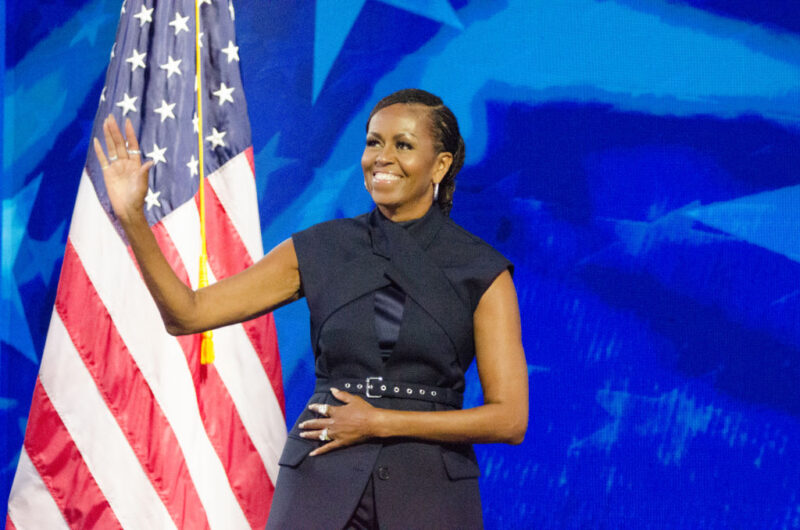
324	436
134	152
324	409
112	158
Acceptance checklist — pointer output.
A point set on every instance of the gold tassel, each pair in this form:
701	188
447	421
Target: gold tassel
207	342
207	348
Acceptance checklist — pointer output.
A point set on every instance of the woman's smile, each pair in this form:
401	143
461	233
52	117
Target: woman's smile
383	176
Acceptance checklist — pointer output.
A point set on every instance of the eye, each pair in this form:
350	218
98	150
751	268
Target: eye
372	142
404	145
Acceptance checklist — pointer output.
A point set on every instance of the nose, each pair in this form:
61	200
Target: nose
384	156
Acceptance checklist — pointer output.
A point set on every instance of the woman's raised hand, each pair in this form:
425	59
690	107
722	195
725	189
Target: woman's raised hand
124	174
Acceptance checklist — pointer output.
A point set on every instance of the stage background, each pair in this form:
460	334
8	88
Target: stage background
638	161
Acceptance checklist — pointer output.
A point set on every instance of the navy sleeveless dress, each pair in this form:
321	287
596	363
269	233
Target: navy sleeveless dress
391	319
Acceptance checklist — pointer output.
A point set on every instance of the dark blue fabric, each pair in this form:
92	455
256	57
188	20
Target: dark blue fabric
389	302
441	270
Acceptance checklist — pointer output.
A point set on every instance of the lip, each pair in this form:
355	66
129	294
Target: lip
385	176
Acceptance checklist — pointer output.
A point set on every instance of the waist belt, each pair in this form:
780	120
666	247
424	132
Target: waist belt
377	387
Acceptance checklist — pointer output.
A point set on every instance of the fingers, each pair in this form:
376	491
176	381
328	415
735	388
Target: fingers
132	143
317	425
109	140
323	409
341	395
145	168
323	435
119	147
320	408
327	448
115	147
101	156
116	135
322	432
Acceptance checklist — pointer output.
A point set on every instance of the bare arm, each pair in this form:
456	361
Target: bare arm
504	377
268	284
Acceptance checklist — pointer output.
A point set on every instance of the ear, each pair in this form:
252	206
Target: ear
442	166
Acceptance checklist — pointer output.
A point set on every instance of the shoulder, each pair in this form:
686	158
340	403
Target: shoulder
465	247
340	234
468	260
322	247
335	228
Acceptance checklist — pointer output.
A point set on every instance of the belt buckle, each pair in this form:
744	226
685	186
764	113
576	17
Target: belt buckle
369	386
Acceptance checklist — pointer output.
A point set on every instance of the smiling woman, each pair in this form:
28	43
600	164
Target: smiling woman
401	164
401	300
422	129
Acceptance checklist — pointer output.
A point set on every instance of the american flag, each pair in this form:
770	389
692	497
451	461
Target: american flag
126	429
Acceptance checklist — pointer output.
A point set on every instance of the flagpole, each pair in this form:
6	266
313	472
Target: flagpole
207	342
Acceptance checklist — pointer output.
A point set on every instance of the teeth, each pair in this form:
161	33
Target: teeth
385	176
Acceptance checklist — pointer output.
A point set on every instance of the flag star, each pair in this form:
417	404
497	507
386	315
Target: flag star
200	39
127	103
193	165
172	66
205	2
113	46
179	23
231	51
165	110
230	8
144	16
136	59
123	6
157	154
215	138
195	122
103	94
152	198
224	93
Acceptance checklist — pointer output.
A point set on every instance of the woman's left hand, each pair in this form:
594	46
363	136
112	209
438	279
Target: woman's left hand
344	425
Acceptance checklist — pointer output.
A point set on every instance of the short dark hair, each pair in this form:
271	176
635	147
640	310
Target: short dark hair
445	130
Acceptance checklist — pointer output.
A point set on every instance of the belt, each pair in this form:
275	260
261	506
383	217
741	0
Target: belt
377	387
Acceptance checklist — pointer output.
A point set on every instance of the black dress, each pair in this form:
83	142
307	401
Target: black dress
441	271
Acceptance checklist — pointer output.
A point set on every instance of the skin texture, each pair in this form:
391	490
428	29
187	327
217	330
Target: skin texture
399	142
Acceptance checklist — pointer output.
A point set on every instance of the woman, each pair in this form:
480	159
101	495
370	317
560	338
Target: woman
401	301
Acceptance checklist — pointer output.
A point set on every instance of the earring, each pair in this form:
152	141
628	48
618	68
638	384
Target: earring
436	191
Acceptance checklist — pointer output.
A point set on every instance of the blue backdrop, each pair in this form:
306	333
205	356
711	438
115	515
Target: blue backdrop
638	161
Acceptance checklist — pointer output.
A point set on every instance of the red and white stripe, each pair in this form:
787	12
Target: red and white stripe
126	428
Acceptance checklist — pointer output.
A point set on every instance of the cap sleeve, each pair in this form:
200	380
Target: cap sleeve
491	265
308	245
323	249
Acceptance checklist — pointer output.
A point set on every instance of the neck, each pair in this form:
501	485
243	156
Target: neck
398	214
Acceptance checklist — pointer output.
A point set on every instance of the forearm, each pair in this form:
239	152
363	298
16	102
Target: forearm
175	300
489	423
270	283
503	372
504	378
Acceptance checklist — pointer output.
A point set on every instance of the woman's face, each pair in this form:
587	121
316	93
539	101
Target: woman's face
400	161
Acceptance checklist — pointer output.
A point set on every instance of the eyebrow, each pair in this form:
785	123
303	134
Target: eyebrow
396	136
